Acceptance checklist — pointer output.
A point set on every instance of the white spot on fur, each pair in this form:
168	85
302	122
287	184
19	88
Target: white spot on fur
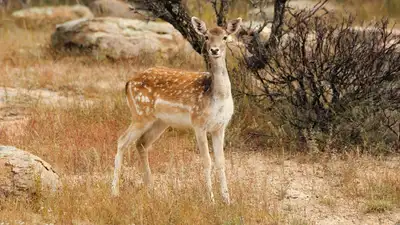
145	99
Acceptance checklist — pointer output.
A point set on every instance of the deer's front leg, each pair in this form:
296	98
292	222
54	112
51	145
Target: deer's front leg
202	143
218	146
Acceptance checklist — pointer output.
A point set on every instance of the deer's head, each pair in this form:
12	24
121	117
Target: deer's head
215	38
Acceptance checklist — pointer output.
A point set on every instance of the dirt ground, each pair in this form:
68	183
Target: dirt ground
306	191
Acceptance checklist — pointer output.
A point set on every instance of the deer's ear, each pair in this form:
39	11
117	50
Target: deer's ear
199	26
233	25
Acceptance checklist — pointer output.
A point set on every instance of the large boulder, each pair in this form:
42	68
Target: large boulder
24	174
117	37
47	17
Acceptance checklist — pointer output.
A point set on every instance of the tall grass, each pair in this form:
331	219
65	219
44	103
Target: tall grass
81	143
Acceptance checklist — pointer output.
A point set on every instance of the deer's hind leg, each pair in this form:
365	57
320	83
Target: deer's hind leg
134	131
143	144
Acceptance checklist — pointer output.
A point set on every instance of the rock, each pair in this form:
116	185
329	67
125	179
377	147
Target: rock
24	174
47	17
15	115
115	8
42	96
117	37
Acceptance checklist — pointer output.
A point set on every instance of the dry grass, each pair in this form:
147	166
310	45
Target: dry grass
90	203
379	190
278	187
80	143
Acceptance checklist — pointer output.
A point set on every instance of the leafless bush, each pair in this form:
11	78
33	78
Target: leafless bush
324	75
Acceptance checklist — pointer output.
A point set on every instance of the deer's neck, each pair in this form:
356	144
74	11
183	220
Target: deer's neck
221	85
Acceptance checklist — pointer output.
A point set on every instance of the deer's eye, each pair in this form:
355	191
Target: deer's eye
206	37
225	38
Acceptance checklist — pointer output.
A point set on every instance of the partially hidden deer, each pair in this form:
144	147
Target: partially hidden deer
162	97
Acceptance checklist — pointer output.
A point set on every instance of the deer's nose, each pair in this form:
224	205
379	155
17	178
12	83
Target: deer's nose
214	51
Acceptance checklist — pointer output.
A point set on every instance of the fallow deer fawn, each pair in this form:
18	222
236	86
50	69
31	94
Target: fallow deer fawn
162	97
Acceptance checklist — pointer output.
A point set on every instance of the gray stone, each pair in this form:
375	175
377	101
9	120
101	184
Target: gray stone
24	174
117	37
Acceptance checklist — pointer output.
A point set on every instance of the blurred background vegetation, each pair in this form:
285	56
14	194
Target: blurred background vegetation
368	9
365	9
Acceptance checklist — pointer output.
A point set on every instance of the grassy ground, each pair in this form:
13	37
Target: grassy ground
268	186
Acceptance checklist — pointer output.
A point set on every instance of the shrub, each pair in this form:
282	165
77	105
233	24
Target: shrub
328	78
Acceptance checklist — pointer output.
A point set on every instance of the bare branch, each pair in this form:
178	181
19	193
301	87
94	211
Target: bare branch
276	30
175	13
221	10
